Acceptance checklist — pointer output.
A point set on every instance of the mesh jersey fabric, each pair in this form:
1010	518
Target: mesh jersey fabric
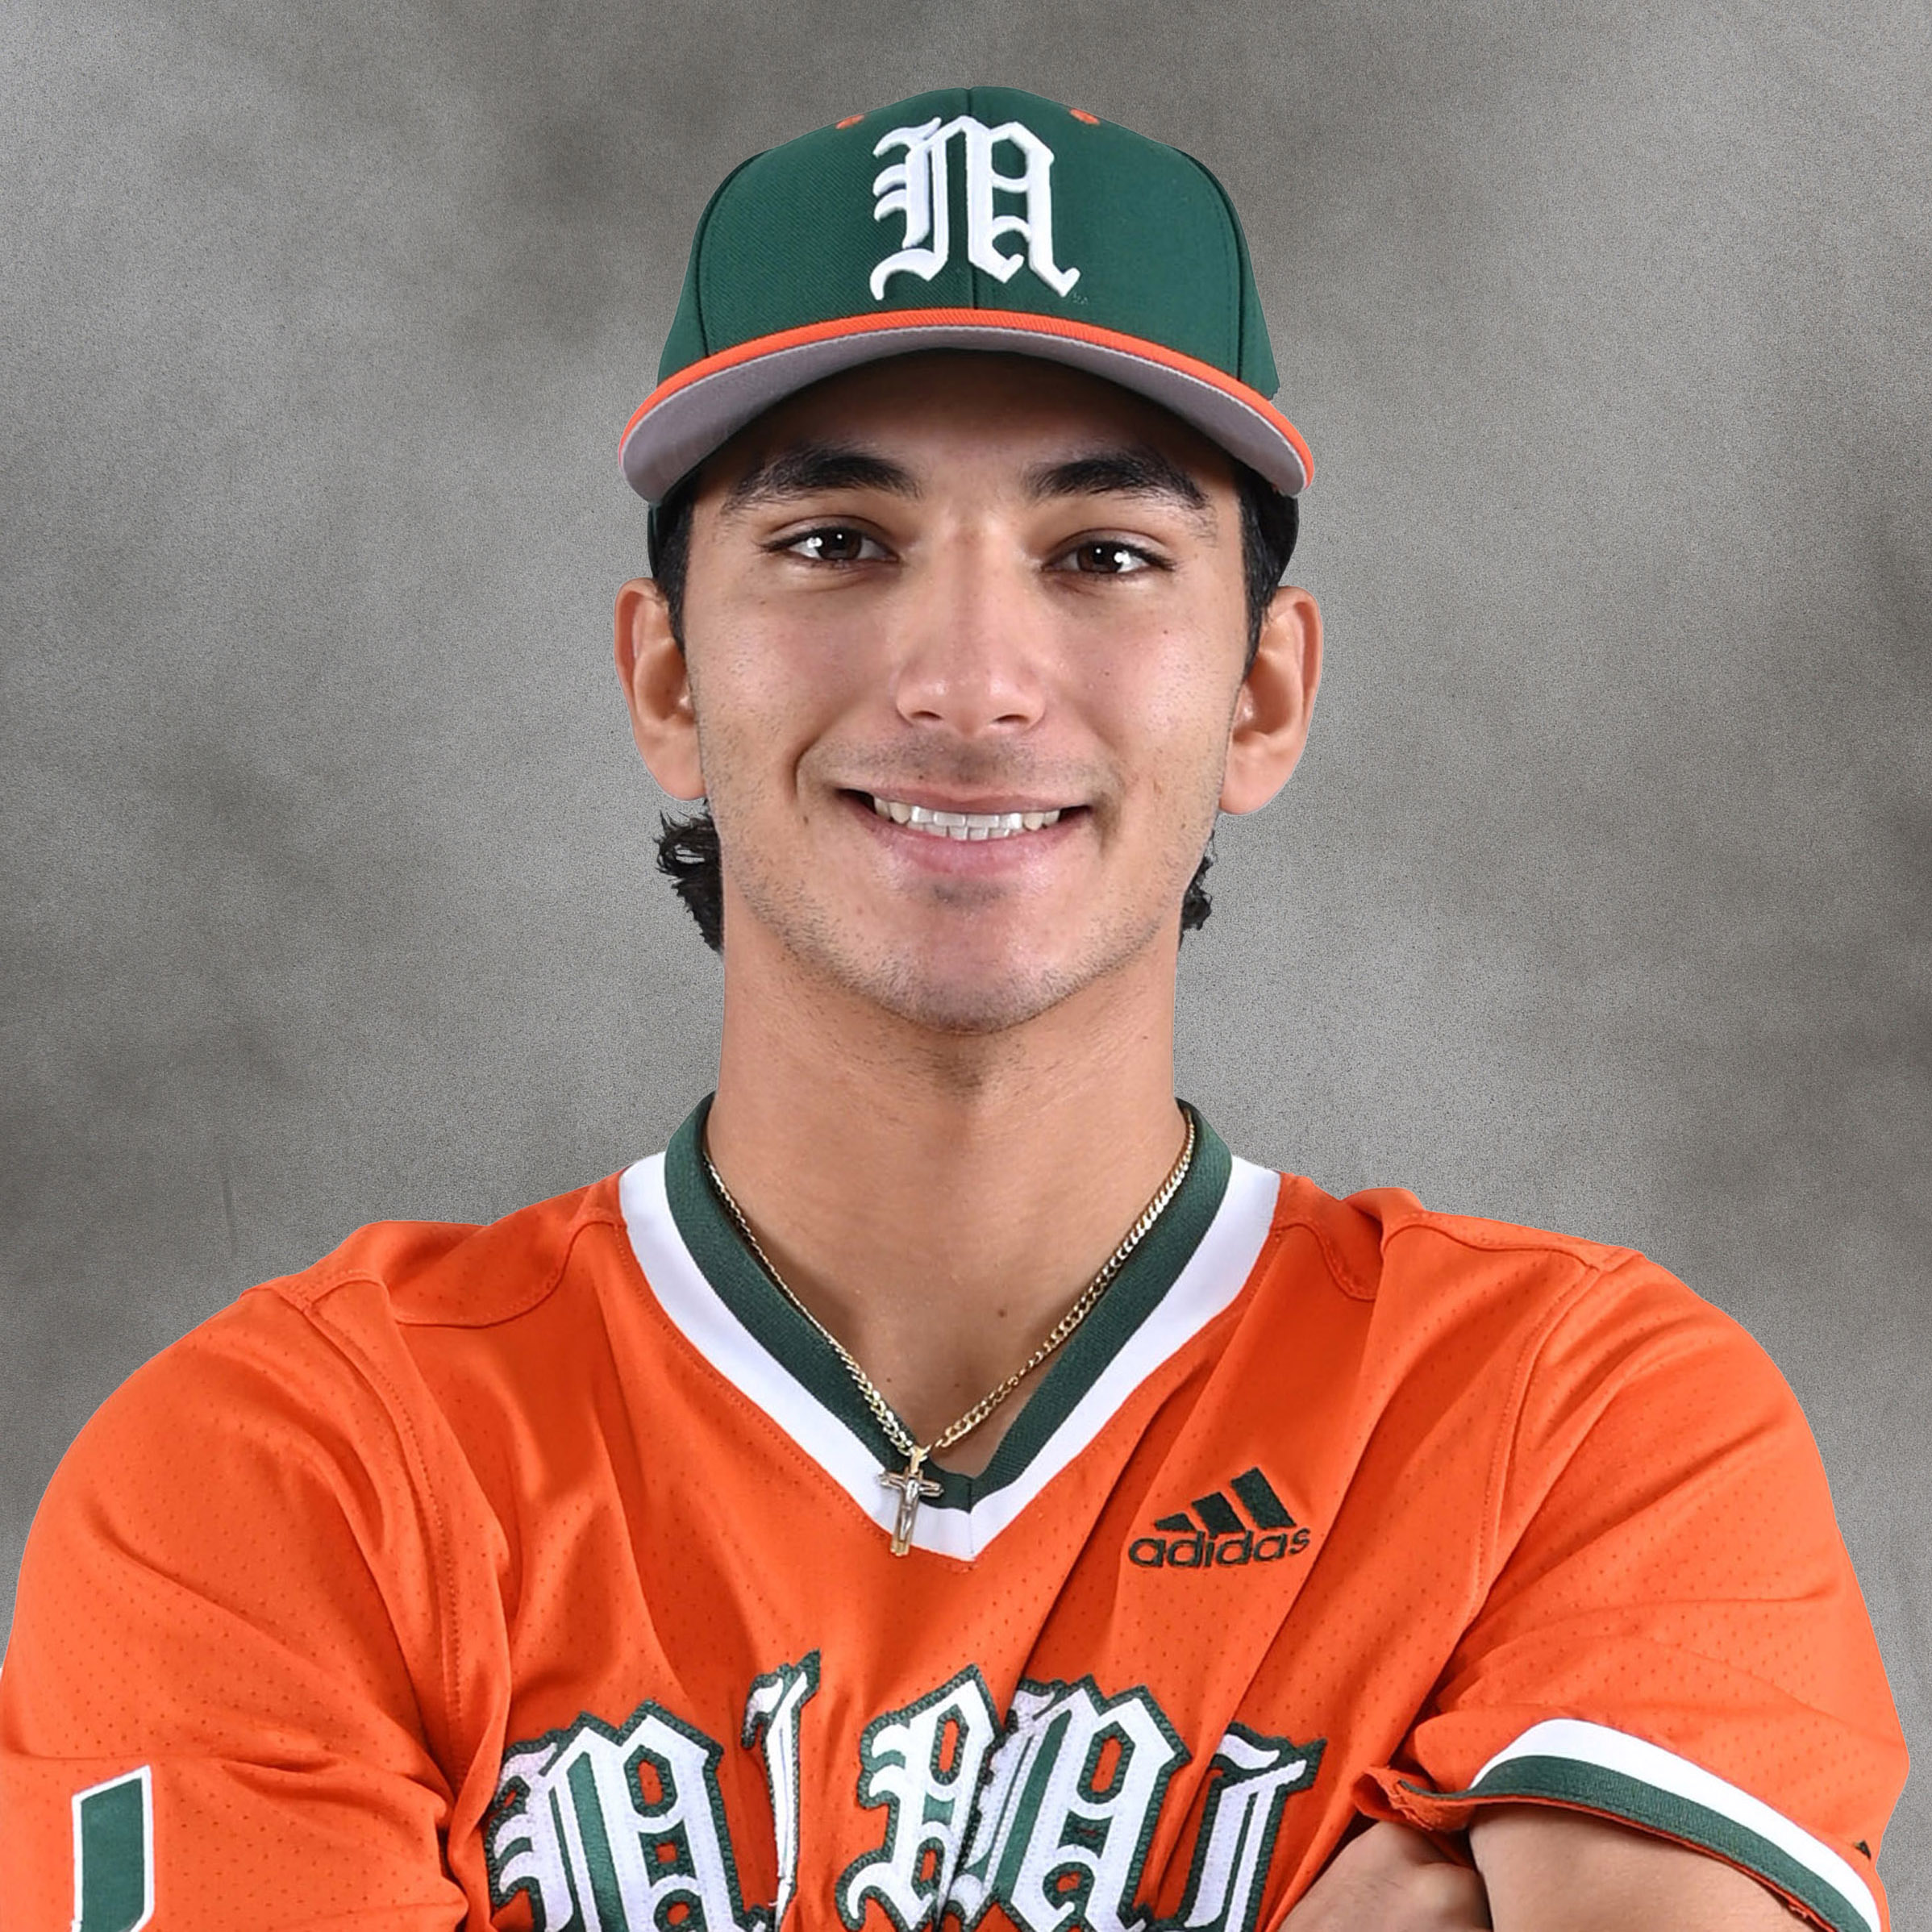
526	1575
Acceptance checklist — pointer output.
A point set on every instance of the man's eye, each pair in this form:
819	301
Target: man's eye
1101	559
835	545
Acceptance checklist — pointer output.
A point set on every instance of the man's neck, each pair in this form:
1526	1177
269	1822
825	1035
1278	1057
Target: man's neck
938	1202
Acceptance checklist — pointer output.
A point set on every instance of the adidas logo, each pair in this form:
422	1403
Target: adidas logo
1216	1537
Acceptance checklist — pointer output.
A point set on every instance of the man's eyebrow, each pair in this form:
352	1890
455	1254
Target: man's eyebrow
1139	471
804	469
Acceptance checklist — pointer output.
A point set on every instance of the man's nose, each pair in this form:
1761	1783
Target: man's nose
970	652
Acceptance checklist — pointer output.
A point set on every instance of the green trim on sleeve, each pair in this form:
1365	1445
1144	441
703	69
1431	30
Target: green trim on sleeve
1615	1794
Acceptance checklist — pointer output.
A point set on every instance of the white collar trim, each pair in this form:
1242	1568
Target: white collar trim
1215	1273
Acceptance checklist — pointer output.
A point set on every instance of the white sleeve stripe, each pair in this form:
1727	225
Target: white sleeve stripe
1600	1747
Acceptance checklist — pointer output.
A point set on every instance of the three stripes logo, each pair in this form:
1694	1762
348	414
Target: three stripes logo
1216	1537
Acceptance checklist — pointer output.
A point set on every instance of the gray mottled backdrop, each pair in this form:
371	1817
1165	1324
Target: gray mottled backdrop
1600	900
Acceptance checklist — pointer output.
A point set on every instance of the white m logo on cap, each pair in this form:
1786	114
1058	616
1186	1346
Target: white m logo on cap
917	189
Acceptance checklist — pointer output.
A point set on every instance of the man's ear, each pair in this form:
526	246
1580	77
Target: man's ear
657	687
1277	697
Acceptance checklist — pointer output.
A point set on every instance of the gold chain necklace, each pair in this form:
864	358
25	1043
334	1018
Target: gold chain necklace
913	1486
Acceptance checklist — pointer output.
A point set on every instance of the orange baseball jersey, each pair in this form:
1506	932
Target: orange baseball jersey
537	1575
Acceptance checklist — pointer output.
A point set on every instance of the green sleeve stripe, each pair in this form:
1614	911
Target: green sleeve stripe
1678	1817
1802	1867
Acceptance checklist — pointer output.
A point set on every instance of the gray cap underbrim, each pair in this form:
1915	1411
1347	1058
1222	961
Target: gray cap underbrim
679	432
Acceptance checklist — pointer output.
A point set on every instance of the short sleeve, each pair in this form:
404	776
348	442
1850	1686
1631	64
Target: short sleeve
209	1712
1673	1636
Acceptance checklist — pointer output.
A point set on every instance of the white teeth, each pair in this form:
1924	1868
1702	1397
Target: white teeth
962	825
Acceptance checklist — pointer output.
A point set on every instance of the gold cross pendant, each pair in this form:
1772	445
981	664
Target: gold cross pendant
913	1488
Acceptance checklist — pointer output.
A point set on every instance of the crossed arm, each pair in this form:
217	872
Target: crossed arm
1537	1870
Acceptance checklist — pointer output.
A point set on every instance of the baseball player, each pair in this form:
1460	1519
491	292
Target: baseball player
946	1485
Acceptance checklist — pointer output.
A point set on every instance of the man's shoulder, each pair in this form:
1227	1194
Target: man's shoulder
1400	1215
337	1344
1477	1299
1385	1240
428	1274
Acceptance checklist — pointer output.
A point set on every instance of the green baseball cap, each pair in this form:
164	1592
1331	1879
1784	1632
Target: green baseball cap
973	218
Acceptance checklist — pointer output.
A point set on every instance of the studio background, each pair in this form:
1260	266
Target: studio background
1600	901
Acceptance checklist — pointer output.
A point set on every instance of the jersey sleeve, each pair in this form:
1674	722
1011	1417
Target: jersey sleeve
212	1712
1673	1637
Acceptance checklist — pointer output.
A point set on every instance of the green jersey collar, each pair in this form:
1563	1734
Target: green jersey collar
742	1283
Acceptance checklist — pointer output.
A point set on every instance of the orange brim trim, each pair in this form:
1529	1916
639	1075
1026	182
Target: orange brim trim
1005	319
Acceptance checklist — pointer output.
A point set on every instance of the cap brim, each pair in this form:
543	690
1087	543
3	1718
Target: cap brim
691	413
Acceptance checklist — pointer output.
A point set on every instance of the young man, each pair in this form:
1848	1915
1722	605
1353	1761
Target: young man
946	1483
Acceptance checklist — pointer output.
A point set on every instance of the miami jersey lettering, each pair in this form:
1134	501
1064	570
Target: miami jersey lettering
1048	1816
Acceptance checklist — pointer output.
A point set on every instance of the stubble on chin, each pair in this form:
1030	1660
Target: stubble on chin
932	987
942	982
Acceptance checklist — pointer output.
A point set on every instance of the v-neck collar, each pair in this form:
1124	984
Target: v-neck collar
742	1283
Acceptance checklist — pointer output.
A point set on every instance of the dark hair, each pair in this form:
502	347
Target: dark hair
687	847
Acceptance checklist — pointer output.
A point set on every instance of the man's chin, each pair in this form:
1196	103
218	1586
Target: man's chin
966	990
966	1003
980	976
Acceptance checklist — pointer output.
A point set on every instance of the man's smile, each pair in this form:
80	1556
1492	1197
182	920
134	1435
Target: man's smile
962	825
968	834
